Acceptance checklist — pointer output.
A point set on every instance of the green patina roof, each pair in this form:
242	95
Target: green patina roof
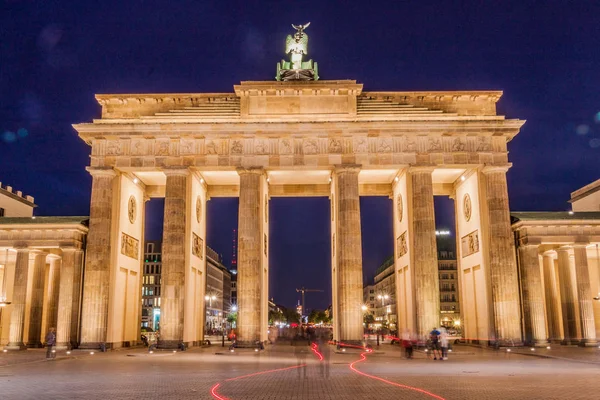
389	261
43	220
553	215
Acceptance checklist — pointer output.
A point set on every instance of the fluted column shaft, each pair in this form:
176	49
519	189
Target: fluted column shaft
173	259
350	255
552	300
53	291
584	293
94	315
533	296
36	306
502	262
566	296
425	265
77	297
65	299
17	315
249	257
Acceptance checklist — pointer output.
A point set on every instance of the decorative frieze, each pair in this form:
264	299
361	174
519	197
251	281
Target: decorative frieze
197	246
401	245
470	244
130	246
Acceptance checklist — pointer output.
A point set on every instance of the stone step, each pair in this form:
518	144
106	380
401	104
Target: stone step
403	112
215	110
392	108
187	115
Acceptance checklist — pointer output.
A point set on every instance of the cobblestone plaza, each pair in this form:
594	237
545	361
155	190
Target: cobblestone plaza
209	373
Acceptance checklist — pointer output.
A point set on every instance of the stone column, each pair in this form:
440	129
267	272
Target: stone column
173	259
17	315
37	299
502	262
53	291
566	296
349	253
94	314
249	256
425	263
77	295
552	300
584	293
65	299
533	296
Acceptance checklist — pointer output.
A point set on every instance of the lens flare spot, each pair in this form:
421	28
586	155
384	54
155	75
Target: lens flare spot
595	143
597	117
9	137
22	132
582	129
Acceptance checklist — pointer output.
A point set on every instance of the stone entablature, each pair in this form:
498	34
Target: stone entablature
554	228
43	232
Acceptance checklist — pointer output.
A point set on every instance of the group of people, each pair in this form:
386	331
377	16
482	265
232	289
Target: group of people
437	342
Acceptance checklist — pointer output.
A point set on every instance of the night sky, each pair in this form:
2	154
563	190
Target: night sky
55	55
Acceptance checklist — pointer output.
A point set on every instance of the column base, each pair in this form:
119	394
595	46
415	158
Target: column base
95	346
588	343
64	346
248	344
16	346
169	344
541	343
37	345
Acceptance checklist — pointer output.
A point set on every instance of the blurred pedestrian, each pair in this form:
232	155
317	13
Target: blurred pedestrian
407	344
444	343
434	337
50	343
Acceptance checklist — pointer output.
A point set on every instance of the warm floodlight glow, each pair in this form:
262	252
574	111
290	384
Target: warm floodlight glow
136	180
462	178
364	308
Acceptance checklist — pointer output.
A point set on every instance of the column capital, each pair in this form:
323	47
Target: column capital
579	245
421	169
549	253
565	247
345	168
489	168
250	170
176	171
52	256
66	249
21	248
101	171
34	253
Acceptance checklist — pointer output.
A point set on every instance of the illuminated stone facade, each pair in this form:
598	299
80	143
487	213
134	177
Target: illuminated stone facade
315	138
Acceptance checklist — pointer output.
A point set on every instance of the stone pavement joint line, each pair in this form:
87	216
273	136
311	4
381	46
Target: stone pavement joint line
215	393
363	357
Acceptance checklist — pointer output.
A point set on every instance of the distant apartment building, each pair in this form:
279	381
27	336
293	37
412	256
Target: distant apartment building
218	288
151	285
448	277
380	296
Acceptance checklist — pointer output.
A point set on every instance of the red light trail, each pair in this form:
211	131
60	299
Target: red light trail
415	389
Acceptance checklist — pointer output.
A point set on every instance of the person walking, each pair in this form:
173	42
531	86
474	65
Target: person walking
444	343
407	344
50	343
434	337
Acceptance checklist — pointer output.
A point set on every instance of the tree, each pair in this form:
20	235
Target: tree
368	319
291	316
313	317
232	318
275	316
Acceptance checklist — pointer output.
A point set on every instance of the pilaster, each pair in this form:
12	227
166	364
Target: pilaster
349	254
173	259
533	296
584	294
503	267
425	264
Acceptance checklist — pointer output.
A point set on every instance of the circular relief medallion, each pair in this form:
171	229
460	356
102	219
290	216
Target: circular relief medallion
132	209
399	207
198	209
467	207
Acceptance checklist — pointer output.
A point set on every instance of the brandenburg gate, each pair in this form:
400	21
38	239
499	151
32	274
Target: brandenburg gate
298	136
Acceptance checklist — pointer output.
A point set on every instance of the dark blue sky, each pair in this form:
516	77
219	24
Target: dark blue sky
55	55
